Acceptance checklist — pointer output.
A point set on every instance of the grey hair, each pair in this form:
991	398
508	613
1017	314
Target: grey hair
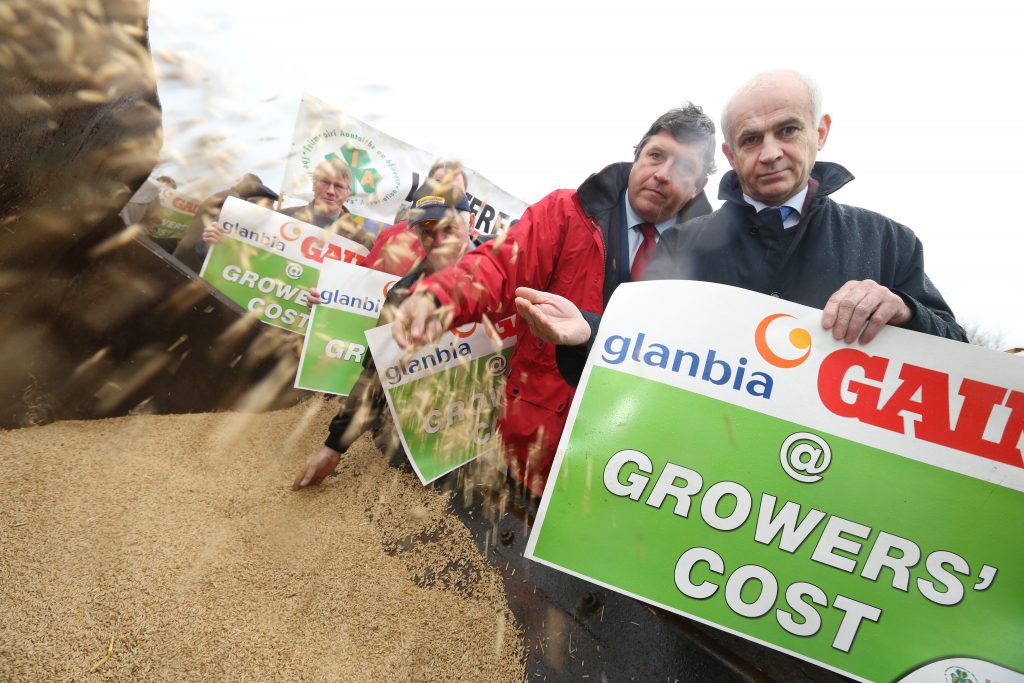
334	168
814	97
687	124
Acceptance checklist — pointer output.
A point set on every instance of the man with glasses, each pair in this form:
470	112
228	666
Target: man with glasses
332	186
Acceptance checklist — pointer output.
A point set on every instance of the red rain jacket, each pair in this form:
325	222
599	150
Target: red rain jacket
395	251
559	246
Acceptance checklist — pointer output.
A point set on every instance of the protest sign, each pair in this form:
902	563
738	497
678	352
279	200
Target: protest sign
176	213
335	345
386	170
445	399
856	506
269	261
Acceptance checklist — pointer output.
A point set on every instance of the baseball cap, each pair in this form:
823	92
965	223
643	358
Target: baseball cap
432	202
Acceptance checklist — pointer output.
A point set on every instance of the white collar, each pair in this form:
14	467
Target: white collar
796	202
632	219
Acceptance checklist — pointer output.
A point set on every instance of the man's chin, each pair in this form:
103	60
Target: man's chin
773	195
650	213
327	209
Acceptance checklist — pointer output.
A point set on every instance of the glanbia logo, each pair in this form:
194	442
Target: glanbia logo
782	343
466	332
504	328
290	231
388	286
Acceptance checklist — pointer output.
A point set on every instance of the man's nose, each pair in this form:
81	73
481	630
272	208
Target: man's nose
771	151
663	171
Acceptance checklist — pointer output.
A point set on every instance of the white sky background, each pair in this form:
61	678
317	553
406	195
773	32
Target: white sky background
925	99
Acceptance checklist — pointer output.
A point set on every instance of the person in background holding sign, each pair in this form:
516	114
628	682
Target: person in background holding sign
580	244
332	186
440	220
192	247
144	206
780	233
397	250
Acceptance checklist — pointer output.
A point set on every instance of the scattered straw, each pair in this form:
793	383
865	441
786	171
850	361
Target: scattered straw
110	651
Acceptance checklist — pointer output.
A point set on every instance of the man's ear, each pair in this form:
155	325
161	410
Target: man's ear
823	127
700	186
727	151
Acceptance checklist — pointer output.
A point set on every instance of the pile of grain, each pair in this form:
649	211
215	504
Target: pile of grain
176	539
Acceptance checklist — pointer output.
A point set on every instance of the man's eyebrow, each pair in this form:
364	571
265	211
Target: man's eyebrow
790	121
784	123
747	131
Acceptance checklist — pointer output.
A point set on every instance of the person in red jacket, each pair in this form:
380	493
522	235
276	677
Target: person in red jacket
580	244
396	249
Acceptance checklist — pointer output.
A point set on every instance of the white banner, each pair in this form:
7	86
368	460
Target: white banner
386	170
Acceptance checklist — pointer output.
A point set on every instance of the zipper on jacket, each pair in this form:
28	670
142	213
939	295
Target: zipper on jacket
604	261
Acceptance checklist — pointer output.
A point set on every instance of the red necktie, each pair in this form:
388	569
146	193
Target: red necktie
644	253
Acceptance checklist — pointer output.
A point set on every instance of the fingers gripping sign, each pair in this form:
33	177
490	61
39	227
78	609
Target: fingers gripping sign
860	308
552	318
213	233
419	321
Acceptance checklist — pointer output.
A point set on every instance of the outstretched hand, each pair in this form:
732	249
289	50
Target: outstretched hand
419	321
319	467
552	318
861	308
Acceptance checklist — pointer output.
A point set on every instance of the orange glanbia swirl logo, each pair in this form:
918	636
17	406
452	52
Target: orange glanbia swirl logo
798	337
459	333
290	231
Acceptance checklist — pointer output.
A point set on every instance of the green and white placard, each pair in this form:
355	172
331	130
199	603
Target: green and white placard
858	506
335	345
446	398
176	213
269	261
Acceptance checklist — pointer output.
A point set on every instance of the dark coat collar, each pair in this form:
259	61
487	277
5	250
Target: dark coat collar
830	178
